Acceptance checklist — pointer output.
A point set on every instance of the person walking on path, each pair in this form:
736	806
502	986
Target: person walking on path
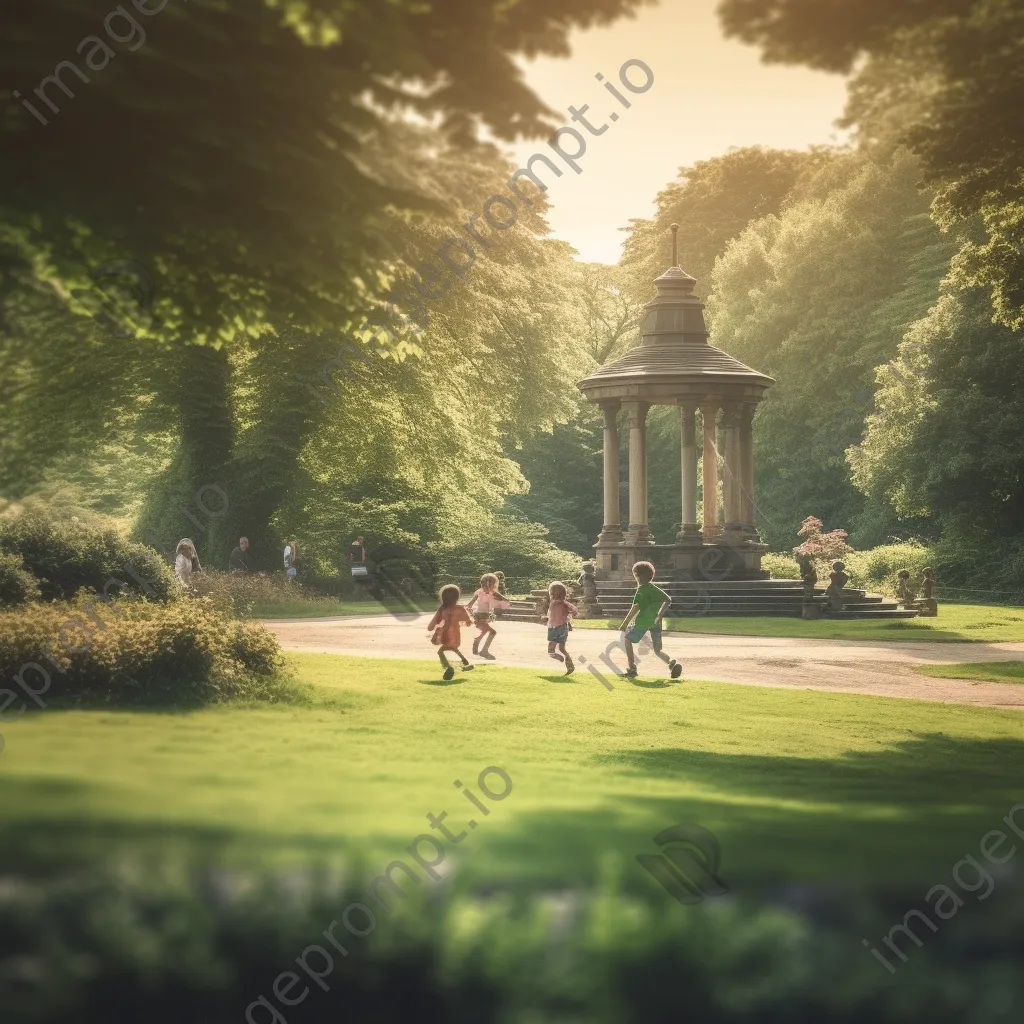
291	557
649	605
447	635
239	562
486	600
559	610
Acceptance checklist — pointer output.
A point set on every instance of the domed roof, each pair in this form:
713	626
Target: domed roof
674	348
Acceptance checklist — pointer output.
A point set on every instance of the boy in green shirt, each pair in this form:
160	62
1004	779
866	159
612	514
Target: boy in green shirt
649	605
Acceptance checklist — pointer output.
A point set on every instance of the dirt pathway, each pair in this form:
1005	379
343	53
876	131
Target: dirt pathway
881	668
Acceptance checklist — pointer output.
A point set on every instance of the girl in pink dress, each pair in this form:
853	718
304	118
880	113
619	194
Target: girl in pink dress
559	610
485	600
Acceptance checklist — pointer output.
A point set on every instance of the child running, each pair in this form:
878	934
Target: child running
445	624
649	605
486	600
559	610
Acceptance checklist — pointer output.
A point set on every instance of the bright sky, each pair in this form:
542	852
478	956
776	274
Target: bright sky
709	94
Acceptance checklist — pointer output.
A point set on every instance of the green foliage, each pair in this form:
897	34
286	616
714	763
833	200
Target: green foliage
953	68
712	202
68	555
190	940
876	570
780	567
517	549
945	438
17	584
816	298
126	653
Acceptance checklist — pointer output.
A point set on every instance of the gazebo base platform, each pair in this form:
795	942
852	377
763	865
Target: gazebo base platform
736	558
760	597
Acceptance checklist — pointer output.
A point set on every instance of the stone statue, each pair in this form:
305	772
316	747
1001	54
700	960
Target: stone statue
808	574
837	580
904	591
926	604
587	586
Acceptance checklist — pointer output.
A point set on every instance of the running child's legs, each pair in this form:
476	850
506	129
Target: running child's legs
487	636
554	654
455	651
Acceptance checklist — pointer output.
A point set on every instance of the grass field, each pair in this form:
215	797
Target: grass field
797	785
325	607
994	671
959	622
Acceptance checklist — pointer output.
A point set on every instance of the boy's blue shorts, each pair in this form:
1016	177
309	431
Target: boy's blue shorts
558	634
636	634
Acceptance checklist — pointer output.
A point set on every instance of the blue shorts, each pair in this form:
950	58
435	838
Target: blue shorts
636	634
558	634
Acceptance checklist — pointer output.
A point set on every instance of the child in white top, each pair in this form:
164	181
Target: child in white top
481	604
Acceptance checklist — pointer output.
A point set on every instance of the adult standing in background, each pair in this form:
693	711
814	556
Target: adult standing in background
291	557
357	552
357	564
185	559
239	562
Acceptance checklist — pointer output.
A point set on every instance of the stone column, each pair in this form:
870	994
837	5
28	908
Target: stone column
747	459
688	530
709	412
636	413
611	532
731	479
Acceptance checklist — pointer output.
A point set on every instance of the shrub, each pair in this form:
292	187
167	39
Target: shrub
517	548
823	547
136	653
17	584
876	569
780	567
67	555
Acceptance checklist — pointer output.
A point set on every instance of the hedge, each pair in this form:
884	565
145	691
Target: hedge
128	653
67	556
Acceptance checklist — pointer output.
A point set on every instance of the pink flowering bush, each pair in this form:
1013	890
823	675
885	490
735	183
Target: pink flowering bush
823	548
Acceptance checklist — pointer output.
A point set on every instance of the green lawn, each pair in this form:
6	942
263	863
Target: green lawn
992	671
959	622
797	785
323	608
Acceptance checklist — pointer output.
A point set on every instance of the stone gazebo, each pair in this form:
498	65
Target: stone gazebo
675	365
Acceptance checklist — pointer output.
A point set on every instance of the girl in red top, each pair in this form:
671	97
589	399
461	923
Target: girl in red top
445	624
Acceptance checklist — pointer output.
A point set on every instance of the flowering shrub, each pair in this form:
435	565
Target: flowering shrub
825	547
66	556
17	584
129	653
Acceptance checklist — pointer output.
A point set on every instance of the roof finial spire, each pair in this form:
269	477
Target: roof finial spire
675	257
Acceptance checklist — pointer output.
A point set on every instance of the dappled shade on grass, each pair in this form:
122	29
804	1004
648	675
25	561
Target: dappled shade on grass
796	784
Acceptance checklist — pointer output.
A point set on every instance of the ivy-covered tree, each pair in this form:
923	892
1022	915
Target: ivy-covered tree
255	159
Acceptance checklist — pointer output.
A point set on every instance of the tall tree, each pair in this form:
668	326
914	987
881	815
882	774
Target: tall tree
712	201
946	437
817	297
966	126
253	157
